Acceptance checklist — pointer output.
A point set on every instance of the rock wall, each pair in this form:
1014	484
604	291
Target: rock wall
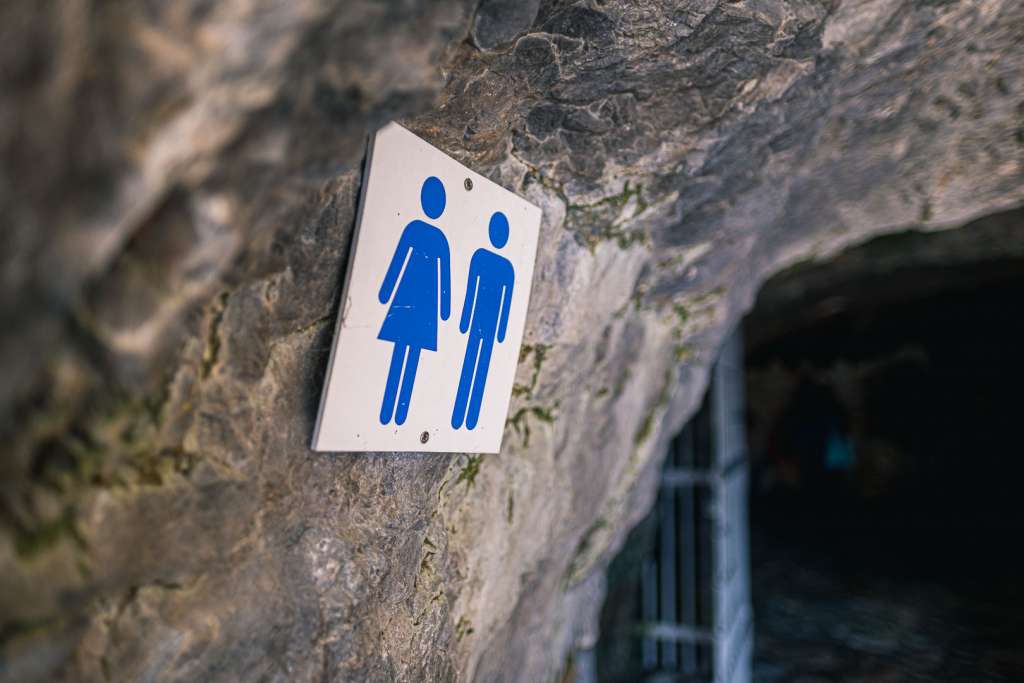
178	191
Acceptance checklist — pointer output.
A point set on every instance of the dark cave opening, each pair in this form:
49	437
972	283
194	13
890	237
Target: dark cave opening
880	406
884	429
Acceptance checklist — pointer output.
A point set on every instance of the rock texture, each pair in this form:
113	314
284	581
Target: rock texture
178	190
893	270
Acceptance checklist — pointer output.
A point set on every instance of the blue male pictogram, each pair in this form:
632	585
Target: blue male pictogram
485	317
420	281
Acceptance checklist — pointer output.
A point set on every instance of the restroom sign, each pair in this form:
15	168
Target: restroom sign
433	307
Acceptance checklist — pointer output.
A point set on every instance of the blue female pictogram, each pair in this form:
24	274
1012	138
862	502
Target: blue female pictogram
485	317
420	281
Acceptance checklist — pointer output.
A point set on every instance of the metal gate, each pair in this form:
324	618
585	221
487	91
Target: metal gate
696	618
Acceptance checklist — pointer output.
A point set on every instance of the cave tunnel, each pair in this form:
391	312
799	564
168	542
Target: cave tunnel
882	430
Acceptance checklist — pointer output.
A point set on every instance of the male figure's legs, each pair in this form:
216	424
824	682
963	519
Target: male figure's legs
465	380
479	381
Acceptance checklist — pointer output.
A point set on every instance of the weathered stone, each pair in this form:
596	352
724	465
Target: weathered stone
179	185
497	22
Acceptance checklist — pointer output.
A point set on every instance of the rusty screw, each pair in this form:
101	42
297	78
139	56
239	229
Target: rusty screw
468	184
424	437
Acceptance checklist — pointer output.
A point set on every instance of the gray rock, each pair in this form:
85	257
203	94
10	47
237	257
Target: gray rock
179	184
497	22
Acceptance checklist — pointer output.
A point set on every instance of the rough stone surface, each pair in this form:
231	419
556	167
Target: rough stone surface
497	22
892	270
178	190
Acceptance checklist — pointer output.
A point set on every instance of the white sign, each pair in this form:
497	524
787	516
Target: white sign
433	310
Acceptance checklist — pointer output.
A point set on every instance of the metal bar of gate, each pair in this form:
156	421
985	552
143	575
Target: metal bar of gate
668	578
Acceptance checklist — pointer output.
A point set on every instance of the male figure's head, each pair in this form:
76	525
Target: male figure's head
498	230
432	197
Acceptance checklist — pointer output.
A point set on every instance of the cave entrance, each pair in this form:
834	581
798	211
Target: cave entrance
884	426
879	403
